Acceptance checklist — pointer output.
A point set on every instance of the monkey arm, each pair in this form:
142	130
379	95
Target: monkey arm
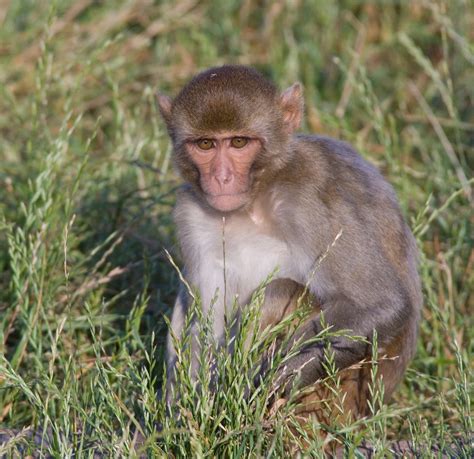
344	314
176	328
184	333
212	299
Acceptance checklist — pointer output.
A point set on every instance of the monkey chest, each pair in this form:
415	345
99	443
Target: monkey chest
251	256
241	255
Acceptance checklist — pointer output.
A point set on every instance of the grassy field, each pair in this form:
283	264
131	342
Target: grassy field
87	188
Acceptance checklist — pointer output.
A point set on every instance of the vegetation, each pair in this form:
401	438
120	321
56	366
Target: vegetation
87	188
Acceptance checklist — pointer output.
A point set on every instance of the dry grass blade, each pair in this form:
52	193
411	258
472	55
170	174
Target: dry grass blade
448	148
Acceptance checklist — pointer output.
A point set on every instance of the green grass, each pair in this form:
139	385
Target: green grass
87	188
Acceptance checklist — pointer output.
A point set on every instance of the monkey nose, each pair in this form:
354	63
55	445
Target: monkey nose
224	179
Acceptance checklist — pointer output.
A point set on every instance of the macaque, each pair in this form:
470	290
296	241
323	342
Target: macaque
287	199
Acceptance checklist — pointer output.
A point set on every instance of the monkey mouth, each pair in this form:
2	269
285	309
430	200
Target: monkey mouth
220	195
227	202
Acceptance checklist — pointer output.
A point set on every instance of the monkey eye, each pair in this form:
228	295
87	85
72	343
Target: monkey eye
205	144
239	142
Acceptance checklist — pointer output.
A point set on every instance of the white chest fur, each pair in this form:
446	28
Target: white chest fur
252	254
229	256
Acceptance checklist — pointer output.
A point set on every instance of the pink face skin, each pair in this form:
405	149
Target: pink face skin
224	163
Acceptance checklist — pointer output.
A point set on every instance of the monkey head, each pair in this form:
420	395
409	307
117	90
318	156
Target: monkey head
230	129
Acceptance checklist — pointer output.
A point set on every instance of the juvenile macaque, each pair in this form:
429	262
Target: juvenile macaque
286	197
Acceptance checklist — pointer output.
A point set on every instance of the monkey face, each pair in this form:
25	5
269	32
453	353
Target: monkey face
230	128
224	164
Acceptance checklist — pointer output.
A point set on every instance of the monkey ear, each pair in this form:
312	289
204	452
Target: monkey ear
292	103
164	104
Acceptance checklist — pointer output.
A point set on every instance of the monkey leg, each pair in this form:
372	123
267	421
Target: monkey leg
340	403
349	402
282	297
327	401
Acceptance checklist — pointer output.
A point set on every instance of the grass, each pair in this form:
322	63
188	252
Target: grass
87	188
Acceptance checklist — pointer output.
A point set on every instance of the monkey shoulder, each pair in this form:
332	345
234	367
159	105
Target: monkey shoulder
337	159
337	176
334	189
